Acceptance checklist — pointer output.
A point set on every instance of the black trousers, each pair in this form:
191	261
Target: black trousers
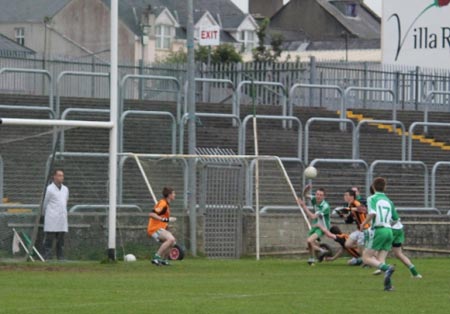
48	244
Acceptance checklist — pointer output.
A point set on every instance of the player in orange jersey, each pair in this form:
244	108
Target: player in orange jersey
157	227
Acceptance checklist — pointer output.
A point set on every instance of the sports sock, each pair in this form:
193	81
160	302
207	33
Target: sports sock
383	267
413	270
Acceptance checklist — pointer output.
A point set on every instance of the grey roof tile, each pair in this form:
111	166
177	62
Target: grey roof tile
9	46
29	10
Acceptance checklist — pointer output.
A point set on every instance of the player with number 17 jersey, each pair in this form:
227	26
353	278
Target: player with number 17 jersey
384	210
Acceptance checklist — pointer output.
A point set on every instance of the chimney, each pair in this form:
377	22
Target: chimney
264	8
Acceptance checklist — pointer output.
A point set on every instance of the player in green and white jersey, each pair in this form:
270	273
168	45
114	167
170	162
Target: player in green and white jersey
399	239
321	216
379	238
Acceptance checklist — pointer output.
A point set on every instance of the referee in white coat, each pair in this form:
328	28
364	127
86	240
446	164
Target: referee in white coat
55	212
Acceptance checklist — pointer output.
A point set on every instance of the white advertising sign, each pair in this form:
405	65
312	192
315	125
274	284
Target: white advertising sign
209	36
416	33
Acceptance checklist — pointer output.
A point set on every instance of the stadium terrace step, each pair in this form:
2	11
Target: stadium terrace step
25	160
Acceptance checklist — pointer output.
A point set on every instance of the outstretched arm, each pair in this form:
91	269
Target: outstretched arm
306	191
366	221
302	204
326	231
335	256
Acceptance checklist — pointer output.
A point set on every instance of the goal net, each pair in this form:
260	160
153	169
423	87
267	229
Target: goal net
24	152
226	200
226	197
28	156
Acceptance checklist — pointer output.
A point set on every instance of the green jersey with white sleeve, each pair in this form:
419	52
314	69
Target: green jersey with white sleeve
383	208
323	210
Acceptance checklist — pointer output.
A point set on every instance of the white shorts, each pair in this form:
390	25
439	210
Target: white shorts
358	237
157	234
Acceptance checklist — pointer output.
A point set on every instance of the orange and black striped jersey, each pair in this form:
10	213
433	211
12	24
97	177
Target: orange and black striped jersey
341	238
358	213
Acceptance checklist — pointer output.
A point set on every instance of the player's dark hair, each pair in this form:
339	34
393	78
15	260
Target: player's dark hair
335	230
167	191
379	184
371	190
322	190
351	193
56	170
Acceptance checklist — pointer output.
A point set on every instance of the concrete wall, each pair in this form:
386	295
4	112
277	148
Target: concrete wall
79	29
87	23
281	234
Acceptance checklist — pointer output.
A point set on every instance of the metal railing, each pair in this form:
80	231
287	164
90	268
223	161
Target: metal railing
125	156
250	174
356	136
411	133
147	113
418	209
71	73
308	124
242	141
103	206
210	115
208	80
338	161
264	209
19	206
403	163
50	111
369	89
237	99
428	98
124	80
78	110
35	71
433	180
320	87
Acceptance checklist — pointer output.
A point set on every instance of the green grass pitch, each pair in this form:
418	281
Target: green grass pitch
220	286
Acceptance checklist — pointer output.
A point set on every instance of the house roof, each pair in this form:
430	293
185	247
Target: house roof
224	8
10	47
366	25
130	11
29	10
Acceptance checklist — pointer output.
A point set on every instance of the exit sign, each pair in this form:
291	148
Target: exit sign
209	36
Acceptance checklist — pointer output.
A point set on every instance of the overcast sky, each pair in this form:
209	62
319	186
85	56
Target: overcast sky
375	5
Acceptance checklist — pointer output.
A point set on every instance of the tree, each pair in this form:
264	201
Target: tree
175	57
220	54
261	53
225	53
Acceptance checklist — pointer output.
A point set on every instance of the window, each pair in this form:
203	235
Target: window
20	35
248	38
164	36
348	8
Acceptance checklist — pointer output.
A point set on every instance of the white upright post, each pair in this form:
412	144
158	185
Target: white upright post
255	137
113	133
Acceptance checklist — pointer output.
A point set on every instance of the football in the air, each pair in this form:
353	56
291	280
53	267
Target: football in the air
310	172
129	258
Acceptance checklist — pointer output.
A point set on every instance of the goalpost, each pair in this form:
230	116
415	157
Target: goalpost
29	147
264	174
111	126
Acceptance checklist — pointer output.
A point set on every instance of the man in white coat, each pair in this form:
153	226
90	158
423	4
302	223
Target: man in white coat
55	212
